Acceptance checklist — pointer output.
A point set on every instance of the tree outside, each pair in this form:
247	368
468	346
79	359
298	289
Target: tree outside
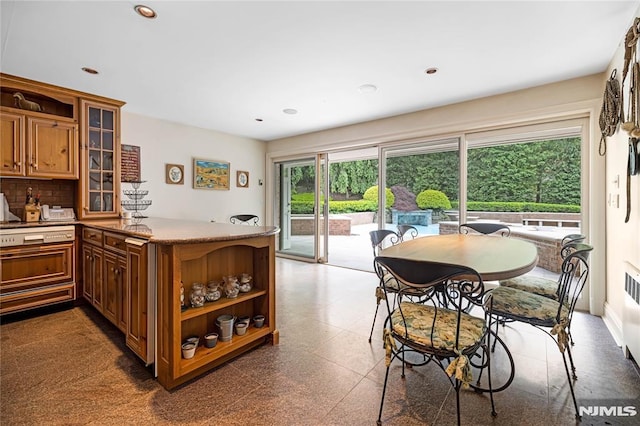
546	172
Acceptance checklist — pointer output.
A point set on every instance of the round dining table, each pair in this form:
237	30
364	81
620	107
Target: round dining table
493	257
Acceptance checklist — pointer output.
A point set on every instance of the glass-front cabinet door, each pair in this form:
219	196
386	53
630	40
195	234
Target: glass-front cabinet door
101	160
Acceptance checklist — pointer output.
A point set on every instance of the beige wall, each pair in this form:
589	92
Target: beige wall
164	142
623	239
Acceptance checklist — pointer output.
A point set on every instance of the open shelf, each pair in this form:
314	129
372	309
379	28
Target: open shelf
204	355
221	304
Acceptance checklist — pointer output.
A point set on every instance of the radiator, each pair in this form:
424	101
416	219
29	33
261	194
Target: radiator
631	315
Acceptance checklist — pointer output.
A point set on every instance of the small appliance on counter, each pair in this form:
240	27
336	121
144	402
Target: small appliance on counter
57	213
5	214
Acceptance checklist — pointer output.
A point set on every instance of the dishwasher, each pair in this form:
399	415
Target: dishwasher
37	267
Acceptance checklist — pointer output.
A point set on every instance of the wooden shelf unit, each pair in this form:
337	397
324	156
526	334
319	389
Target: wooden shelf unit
203	262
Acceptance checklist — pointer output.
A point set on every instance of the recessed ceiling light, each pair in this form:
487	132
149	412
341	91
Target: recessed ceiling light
145	11
367	88
89	70
290	111
431	70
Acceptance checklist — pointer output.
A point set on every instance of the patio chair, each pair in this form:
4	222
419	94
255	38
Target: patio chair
571	238
486	228
379	239
549	315
543	286
539	285
246	219
448	337
404	229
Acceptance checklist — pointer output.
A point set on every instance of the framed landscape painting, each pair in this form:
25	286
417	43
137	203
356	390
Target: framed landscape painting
210	174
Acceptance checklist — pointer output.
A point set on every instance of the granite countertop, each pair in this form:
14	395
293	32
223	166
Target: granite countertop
176	231
164	231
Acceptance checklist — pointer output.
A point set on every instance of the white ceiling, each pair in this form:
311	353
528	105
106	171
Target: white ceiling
221	65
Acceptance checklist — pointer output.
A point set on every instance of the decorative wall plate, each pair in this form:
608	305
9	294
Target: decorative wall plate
242	179
174	174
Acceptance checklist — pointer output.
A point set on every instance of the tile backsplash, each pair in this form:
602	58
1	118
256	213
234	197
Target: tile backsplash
55	192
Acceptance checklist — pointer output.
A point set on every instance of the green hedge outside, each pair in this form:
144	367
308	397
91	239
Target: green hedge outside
303	204
337	207
498	206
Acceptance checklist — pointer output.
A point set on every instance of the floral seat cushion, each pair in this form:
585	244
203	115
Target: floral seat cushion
391	283
530	307
420	326
537	285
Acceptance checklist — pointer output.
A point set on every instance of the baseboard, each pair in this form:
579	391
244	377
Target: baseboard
613	323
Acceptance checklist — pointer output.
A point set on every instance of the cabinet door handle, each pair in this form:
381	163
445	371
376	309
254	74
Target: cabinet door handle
16	164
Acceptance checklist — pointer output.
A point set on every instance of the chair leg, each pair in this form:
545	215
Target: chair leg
573	395
493	348
374	322
573	367
384	390
457	387
493	406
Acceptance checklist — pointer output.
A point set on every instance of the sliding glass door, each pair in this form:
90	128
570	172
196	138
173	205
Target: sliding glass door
424	179
300	207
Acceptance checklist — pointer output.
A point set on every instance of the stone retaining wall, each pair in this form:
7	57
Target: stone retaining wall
303	225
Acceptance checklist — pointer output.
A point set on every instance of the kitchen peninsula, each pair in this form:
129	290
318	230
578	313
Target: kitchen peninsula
158	259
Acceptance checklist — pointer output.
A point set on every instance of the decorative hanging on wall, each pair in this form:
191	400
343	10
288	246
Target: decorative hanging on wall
610	112
631	123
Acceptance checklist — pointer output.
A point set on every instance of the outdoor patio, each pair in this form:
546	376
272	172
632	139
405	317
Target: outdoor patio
354	251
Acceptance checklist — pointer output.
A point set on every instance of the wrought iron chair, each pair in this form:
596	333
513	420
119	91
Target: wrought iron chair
381	238
544	286
404	229
539	285
571	238
553	316
248	219
448	337
486	228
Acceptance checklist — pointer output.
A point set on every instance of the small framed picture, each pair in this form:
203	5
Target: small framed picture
210	174
242	179
174	174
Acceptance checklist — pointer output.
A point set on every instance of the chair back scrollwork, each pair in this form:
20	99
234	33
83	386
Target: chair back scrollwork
248	219
486	228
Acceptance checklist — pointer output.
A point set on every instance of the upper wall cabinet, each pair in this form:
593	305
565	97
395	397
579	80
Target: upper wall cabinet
50	132
39	131
100	160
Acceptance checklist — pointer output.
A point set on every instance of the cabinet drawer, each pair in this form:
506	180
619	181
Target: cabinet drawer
15	302
115	242
92	235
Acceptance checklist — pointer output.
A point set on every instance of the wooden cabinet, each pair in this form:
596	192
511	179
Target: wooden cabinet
115	269
12	146
52	149
100	163
116	284
36	275
136	301
92	260
190	263
39	130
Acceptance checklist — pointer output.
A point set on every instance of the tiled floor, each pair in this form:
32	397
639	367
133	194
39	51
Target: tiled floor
72	367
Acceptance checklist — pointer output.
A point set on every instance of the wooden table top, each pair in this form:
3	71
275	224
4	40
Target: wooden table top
493	257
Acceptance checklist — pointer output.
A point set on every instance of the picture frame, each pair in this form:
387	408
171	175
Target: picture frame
211	174
242	179
174	174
